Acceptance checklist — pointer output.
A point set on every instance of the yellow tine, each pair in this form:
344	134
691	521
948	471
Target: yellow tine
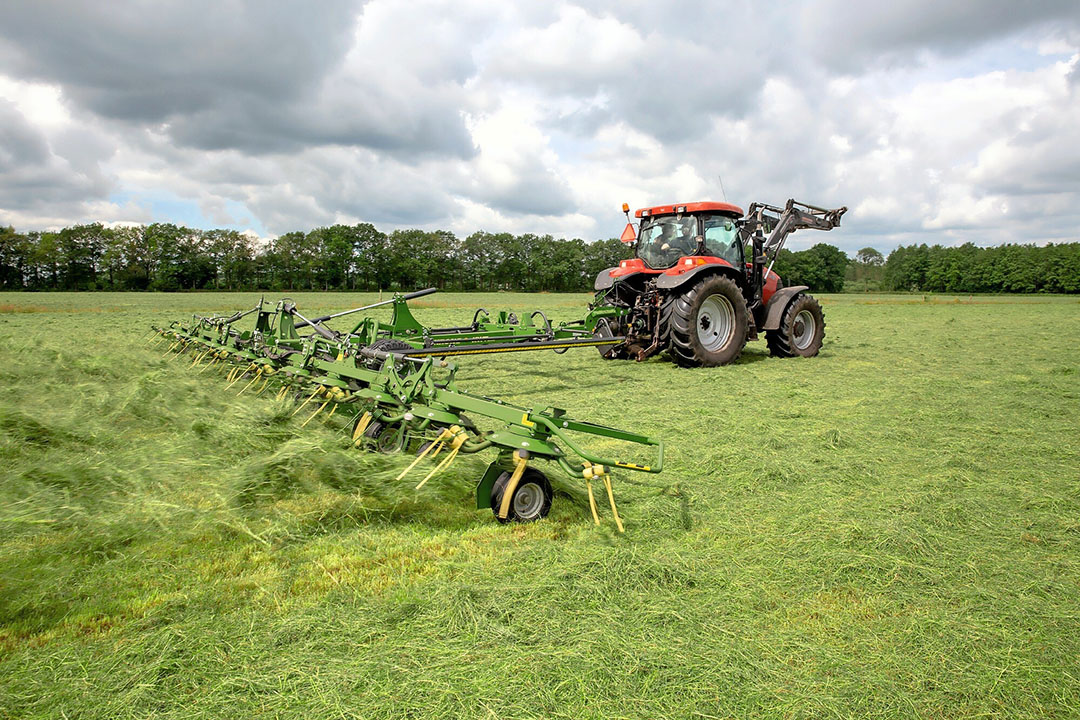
331	413
263	388
310	398
592	503
458	441
253	381
611	499
315	413
442	436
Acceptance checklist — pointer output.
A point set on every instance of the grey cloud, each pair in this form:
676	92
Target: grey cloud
846	35
255	76
323	186
535	191
32	176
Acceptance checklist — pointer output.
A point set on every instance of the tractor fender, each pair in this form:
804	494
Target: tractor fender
668	282
778	302
604	279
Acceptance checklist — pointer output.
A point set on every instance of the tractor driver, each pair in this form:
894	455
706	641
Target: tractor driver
678	240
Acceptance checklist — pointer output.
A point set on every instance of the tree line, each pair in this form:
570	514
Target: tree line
163	256
972	269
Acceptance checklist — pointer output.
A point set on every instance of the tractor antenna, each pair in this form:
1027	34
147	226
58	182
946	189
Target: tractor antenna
724	192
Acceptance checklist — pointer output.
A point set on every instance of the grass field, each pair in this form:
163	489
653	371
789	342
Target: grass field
891	529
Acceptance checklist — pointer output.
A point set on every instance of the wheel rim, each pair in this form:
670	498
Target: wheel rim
803	329
528	501
716	322
389	439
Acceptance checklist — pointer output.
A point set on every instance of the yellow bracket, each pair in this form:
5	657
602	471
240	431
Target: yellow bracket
511	485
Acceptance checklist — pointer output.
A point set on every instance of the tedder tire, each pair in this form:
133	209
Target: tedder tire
532	497
608	352
801	331
708	323
388	439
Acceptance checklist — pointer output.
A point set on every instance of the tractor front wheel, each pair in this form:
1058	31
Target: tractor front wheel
709	323
531	500
801	331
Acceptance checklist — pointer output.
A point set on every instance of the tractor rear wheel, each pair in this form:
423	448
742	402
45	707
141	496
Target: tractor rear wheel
531	500
708	323
801	331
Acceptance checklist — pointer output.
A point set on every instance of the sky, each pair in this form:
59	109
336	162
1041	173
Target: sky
933	121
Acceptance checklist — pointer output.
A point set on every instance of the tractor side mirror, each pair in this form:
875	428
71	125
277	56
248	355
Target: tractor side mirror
628	235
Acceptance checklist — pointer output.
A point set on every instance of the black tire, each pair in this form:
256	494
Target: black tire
532	497
801	331
688	323
386	345
390	345
608	352
387	439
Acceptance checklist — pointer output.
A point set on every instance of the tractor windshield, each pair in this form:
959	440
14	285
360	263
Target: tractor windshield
663	240
722	239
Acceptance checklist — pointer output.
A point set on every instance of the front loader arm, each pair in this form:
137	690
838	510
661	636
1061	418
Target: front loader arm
781	223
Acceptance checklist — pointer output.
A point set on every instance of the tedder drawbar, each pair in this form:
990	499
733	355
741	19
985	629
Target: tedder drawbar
399	390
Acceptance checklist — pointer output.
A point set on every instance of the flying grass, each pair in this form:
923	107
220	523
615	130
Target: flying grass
889	529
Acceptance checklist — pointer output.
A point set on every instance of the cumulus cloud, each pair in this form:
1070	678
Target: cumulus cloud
933	122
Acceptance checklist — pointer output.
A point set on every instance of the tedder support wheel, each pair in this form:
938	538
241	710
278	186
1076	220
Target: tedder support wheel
608	352
801	331
708	323
532	497
388	438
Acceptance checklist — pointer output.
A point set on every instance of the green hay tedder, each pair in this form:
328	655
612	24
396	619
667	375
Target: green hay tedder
393	382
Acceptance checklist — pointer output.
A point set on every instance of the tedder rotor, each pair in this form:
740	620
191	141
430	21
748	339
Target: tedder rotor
399	391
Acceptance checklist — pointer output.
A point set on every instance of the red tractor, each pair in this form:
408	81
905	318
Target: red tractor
691	290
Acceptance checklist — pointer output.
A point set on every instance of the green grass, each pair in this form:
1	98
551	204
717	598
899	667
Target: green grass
888	530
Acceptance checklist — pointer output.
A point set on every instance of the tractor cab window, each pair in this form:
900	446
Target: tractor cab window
663	240
722	239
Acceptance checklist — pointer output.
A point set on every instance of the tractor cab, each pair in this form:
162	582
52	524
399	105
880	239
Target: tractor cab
670	233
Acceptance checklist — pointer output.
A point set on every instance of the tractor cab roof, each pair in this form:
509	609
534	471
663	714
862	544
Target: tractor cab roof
688	208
